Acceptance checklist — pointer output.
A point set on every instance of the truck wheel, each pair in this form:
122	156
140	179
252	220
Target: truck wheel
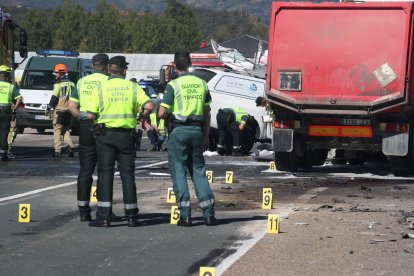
356	161
316	157
20	130
400	165
285	161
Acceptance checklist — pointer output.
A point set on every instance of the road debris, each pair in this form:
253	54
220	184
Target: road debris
407	236
363	188
338	200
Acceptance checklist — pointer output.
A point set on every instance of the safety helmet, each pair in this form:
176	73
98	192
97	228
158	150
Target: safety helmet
4	69
60	68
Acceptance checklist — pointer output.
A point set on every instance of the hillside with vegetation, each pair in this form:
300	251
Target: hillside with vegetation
112	27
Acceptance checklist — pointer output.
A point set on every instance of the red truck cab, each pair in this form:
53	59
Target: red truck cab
339	76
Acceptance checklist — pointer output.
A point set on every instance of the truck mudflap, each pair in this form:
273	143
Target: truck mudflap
283	140
396	144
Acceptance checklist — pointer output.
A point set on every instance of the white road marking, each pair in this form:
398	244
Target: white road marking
66	184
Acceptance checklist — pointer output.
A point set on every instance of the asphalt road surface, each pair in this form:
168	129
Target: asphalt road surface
335	220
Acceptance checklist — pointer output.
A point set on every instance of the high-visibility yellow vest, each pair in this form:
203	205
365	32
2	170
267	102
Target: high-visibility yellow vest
118	103
160	125
86	87
189	97
6	92
239	114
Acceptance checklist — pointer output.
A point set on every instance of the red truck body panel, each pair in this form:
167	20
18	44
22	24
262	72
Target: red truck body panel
349	58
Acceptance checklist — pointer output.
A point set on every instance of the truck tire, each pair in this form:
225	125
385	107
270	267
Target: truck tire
316	157
20	130
285	161
400	165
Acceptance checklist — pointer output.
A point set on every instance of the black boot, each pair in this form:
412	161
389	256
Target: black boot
71	154
186	222
211	221
237	152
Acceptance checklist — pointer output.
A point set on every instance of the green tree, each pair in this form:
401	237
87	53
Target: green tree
144	33
105	31
39	29
68	26
180	28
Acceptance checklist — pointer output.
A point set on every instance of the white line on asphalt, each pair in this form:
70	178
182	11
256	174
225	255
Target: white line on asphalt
246	246
66	184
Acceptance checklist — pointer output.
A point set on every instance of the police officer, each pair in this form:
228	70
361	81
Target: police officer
187	98
62	90
10	99
231	121
115	108
88	157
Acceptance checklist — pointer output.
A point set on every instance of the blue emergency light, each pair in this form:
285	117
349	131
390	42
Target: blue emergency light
57	53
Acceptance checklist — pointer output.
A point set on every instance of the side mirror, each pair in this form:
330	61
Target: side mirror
23	43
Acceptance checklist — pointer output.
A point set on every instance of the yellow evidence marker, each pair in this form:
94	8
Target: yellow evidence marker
229	177
207	271
24	212
94	198
273	224
272	165
175	215
170	195
267	198
209	176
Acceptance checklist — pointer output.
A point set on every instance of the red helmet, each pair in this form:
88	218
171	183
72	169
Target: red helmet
60	68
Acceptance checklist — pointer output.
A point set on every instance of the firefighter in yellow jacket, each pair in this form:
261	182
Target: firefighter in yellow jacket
62	91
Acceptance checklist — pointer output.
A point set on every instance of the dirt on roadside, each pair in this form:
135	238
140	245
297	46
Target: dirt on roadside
352	227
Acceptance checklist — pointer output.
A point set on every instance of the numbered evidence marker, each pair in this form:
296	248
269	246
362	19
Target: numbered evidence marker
229	177
267	198
272	165
207	271
209	176
273	224
175	215
94	198
24	212
170	196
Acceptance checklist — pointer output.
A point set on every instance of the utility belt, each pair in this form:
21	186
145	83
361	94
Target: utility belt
101	129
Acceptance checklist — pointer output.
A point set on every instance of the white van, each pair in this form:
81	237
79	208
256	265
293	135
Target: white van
229	90
36	85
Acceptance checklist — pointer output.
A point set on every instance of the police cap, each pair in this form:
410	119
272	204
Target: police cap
100	59
119	61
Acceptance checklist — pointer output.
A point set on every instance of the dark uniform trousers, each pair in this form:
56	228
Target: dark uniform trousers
116	145
87	158
226	123
185	151
5	118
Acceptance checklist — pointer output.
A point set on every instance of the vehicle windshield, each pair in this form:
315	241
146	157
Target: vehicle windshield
42	79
